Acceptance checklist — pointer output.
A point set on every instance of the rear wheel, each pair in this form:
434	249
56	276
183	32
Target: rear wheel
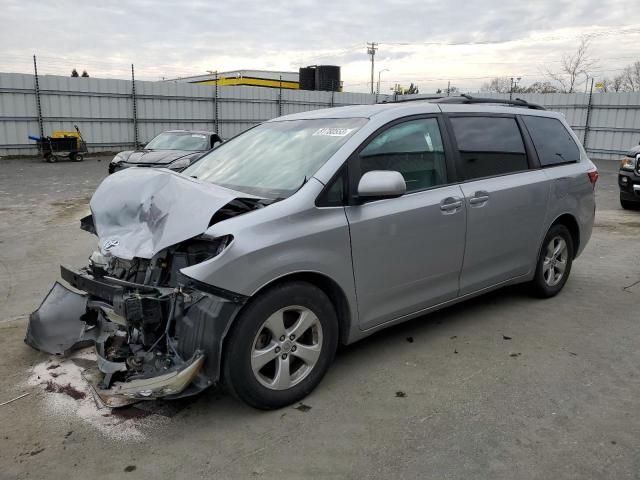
76	157
281	346
554	262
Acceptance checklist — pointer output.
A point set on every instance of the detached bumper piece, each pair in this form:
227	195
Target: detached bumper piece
59	326
132	391
150	342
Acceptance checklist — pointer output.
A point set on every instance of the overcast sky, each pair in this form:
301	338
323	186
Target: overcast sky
427	42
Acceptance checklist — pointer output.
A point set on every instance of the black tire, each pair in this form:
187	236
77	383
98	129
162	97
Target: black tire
629	205
540	284
238	375
76	157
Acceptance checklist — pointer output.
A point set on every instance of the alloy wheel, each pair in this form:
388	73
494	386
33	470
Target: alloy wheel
555	261
286	347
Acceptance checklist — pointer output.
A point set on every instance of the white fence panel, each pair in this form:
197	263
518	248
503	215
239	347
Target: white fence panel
104	111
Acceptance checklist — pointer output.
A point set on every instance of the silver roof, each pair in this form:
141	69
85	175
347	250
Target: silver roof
401	109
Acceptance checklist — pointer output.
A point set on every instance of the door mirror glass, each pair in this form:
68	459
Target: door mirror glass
382	184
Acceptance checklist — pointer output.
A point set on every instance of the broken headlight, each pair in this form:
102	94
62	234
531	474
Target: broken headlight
118	158
222	243
179	164
627	163
198	250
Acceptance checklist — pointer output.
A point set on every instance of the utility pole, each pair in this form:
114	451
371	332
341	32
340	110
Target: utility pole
587	122
448	88
38	104
514	84
371	50
135	109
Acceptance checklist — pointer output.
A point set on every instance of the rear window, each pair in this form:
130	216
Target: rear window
553	143
489	146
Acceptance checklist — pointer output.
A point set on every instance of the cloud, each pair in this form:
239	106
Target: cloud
423	41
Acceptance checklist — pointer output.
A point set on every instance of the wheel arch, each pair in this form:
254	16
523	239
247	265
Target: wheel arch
569	221
330	287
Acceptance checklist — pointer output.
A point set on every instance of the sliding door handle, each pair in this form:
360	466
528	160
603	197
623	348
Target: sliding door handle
479	198
451	204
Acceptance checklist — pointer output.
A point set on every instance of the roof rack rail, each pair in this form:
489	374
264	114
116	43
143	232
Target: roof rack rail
468	99
416	99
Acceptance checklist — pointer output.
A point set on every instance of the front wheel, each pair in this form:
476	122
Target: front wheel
554	262
627	205
281	346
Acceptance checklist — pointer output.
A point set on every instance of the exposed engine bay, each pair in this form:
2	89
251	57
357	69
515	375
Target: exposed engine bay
157	333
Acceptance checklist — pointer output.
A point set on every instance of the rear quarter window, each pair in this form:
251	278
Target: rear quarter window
553	143
489	146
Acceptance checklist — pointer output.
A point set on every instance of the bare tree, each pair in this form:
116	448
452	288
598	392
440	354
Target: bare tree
627	81
502	85
497	85
614	84
541	87
573	66
631	78
617	83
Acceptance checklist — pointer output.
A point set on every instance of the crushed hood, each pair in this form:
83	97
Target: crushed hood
141	211
157	157
634	151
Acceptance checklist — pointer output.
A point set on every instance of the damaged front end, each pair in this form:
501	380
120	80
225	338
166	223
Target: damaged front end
157	333
150	341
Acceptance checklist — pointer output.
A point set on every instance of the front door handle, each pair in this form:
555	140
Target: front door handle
451	205
479	198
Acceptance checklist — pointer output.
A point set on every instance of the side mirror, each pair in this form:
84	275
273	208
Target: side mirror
142	145
382	184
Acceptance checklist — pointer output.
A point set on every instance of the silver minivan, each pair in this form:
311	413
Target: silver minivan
312	230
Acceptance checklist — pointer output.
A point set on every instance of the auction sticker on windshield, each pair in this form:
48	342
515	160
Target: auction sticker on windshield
333	132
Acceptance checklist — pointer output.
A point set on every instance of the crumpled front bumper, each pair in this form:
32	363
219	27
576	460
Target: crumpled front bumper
103	315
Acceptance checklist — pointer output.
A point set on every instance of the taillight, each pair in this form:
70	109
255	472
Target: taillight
593	176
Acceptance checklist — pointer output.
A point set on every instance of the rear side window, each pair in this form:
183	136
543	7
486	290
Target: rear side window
553	143
489	146
413	148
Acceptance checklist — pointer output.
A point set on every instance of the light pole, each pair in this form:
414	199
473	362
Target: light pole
379	73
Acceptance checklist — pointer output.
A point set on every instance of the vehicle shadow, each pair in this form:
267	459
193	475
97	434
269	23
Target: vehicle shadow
428	323
452	319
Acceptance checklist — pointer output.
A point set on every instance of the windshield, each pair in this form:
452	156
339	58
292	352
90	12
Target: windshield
179	141
274	159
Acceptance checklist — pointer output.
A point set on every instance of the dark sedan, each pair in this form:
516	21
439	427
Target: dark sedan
173	149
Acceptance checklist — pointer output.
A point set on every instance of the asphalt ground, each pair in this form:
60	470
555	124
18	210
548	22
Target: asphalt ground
501	387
